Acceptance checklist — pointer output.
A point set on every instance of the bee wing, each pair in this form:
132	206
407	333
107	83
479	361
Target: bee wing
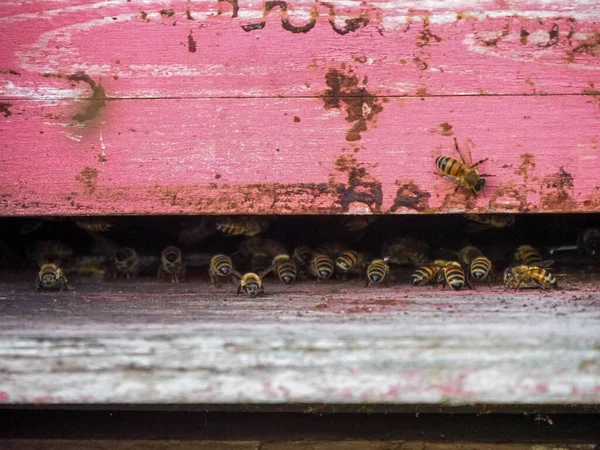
546	263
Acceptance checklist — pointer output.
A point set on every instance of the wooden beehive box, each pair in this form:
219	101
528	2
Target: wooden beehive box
300	107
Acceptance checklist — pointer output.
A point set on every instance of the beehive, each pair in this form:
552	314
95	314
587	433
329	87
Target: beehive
289	108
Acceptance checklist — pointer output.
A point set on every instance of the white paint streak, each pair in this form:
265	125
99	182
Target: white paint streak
102	146
30	90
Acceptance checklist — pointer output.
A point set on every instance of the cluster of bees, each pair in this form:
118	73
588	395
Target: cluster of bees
264	255
472	266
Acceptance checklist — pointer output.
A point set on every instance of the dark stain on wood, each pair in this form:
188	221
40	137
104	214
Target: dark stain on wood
523	35
167	12
421	65
590	46
361	106
10	72
557	191
96	102
296	119
509	196
188	13
409	195
361	186
425	36
5	109
144	16
233	3
285	21
446	129
527	163
191	43
494	41
88	178
553	37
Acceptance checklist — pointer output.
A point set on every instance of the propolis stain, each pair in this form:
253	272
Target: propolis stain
361	106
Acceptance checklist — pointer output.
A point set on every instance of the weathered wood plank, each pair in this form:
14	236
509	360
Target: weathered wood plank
282	156
212	48
330	343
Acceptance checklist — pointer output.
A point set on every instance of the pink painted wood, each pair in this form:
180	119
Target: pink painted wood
302	107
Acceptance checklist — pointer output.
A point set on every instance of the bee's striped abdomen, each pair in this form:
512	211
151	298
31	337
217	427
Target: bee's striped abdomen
321	266
455	276
377	271
424	275
285	268
543	278
449	166
481	268
347	261
220	265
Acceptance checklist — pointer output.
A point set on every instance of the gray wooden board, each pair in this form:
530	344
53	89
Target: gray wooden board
152	343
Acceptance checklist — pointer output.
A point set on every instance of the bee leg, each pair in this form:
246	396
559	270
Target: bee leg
36	285
479	162
519	285
385	281
367	283
239	289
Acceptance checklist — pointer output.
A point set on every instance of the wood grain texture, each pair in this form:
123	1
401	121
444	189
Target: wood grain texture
336	344
292	156
303	107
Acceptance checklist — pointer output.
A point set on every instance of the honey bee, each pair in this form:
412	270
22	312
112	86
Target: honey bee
427	274
331	249
171	264
357	223
53	252
220	266
378	271
285	268
479	266
452	274
51	276
302	255
588	241
126	262
516	276
486	221
251	283
466	176
243	225
94	224
528	255
348	261
321	266
273	247
195	232
405	251
87	265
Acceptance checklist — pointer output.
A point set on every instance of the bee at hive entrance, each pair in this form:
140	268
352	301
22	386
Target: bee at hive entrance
522	253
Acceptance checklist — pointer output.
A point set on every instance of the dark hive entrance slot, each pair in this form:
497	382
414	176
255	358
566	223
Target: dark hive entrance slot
304	252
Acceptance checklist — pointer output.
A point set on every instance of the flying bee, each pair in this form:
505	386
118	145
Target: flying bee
285	268
302	255
453	275
88	265
251	283
243	225
357	223
126	262
194	232
220	267
482	222
171	264
94	224
528	256
53	252
321	266
405	251
516	276
51	276
427	274
465	175
378	271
